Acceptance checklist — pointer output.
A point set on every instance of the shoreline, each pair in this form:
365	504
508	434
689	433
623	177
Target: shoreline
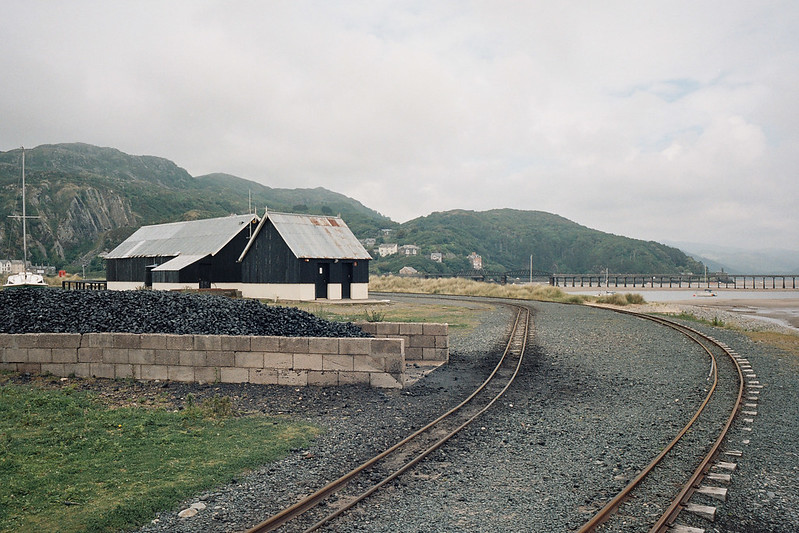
755	310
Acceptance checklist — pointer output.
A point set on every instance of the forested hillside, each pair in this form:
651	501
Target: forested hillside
506	238
90	198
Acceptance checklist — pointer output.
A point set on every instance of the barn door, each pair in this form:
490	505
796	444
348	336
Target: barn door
346	281
322	279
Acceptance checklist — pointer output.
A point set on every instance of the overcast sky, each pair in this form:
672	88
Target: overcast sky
656	120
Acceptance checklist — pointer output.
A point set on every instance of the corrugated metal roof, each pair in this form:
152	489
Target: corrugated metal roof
318	237
191	238
179	262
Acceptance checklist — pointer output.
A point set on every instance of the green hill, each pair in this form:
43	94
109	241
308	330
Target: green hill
91	198
506	238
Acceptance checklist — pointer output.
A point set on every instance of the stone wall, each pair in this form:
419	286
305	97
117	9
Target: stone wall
297	361
423	342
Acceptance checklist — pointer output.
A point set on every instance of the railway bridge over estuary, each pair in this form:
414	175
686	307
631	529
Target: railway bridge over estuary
676	281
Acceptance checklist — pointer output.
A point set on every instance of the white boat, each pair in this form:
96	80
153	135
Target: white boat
24	278
707	293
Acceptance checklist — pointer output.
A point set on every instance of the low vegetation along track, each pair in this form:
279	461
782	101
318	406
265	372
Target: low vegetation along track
649	501
336	498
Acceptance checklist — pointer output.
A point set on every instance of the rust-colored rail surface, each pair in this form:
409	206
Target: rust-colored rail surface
397	459
688	488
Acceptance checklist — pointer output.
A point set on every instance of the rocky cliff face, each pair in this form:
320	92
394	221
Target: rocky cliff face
74	221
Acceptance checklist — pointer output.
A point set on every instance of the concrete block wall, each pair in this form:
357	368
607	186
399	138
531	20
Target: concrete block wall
297	361
423	342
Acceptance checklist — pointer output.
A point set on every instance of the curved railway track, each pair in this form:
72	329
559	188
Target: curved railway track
331	501
677	451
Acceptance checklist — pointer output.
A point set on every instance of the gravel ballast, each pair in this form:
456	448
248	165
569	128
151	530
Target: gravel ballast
582	418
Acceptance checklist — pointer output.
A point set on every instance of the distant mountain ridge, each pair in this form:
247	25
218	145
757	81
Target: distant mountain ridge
91	198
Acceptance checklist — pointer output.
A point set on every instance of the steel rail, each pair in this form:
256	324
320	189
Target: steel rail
680	501
520	328
603	514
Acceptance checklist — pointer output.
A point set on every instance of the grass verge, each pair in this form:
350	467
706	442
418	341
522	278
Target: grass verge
467	287
67	463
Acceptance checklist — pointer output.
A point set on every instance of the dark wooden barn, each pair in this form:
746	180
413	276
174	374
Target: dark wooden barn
279	256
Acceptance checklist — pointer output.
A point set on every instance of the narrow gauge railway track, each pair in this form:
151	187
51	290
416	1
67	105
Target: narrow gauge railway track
635	489
341	495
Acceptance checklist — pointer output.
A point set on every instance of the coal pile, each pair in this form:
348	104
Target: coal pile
60	311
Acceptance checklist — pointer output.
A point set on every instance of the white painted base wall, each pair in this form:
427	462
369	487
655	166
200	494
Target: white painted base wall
264	291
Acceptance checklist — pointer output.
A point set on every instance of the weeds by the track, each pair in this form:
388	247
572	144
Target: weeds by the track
467	287
68	463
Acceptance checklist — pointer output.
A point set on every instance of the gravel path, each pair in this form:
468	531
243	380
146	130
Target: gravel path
576	425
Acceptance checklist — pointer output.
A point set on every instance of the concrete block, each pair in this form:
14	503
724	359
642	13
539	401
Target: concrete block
102	370
234	375
166	357
153	372
207	342
235	343
411	329
81	370
97	340
14	355
8	367
435	329
296	378
388	346
124	371
705	511
323	345
384	381
90	355
395	365
308	361
414	354
207	374
718	493
354	346
263	376
368	363
141	356
222	358
353	378
24	340
115	356
126	340
7	341
180	373
65	355
322	379
293	344
430	354
422	341
249	360
29	368
337	362
40	355
192	358
56	369
58	340
265	344
278	360
442	341
180	342
153	341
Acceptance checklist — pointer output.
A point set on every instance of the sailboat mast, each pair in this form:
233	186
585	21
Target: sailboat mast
24	217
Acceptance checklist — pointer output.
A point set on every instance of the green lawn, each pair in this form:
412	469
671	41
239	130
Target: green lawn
68	463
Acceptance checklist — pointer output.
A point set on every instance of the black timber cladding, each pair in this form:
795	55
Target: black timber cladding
270	260
265	258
